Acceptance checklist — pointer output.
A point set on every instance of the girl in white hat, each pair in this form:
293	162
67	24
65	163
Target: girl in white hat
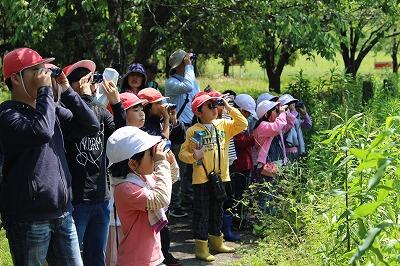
141	174
274	120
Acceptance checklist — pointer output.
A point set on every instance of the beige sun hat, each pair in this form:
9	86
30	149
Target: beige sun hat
176	58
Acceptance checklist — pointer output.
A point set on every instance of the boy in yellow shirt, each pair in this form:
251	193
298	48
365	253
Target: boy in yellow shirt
209	155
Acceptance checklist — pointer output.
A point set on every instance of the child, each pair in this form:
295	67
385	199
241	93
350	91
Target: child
135	79
207	217
142	178
133	107
244	143
229	235
294	140
266	96
157	123
273	121
87	163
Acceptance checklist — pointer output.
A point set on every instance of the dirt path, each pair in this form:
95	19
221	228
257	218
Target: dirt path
182	244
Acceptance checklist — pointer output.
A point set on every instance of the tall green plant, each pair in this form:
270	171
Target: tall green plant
367	162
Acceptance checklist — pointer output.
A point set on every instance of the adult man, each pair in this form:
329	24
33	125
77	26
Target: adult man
35	195
181	87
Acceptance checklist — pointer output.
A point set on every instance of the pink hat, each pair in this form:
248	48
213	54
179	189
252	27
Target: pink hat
20	59
200	98
128	100
50	66
151	95
88	64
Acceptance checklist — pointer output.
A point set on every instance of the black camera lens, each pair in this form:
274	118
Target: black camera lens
97	78
55	72
193	57
171	106
299	104
220	102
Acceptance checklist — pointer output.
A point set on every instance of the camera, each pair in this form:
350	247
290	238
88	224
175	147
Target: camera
220	102
55	72
299	104
167	146
218	186
97	78
171	106
193	57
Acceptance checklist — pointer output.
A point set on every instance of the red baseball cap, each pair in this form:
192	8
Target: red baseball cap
128	100
200	98
20	59
151	95
215	94
88	64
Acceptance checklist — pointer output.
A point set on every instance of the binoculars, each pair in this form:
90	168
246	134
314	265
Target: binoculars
55	72
97	78
171	106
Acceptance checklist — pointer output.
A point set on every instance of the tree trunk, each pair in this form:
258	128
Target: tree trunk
351	61
395	50
274	81
226	66
159	15
114	50
274	70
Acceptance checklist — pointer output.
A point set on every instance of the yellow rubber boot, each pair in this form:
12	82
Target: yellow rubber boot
217	244
202	252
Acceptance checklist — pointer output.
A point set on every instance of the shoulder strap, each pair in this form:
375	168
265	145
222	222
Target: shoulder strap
263	150
219	149
186	100
183	106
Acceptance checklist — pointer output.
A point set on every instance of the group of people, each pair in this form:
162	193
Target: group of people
91	184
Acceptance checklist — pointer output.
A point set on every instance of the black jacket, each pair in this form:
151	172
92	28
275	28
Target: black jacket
87	158
36	179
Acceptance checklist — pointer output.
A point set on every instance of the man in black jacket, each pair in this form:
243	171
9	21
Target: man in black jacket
35	195
88	163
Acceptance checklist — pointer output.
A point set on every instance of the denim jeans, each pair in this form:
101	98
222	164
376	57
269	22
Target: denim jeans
55	240
92	222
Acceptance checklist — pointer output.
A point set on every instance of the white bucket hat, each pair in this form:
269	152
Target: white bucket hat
247	103
128	141
264	107
176	58
266	96
286	99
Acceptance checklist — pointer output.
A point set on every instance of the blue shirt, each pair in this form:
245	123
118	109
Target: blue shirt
176	88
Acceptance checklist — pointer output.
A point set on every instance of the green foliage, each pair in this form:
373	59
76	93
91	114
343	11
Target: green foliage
349	183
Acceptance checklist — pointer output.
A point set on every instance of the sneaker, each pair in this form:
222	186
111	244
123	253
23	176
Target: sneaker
178	213
169	260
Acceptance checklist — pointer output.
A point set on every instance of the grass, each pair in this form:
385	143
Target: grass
252	79
5	257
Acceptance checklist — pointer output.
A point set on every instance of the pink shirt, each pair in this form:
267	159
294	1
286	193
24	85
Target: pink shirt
266	131
140	245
